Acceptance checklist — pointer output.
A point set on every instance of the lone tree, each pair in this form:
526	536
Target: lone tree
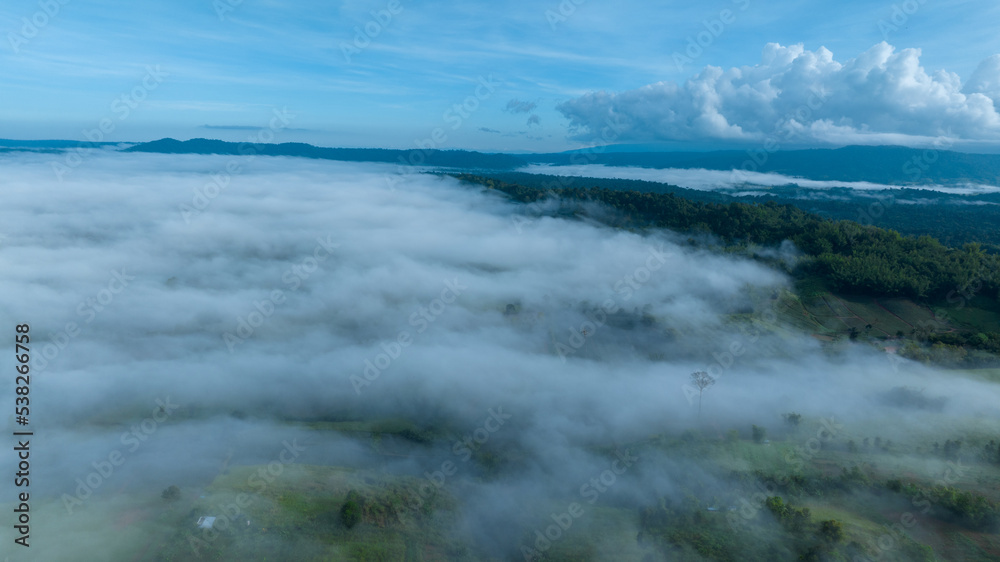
792	418
350	512
701	380
172	493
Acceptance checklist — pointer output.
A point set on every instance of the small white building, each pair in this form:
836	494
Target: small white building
206	522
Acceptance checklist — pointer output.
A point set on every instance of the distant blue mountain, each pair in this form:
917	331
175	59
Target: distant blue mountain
894	165
417	157
10	143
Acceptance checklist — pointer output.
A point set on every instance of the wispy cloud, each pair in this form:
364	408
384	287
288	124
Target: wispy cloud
422	63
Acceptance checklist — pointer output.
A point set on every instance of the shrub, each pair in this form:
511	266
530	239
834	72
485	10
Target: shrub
759	434
831	530
776	506
350	513
171	494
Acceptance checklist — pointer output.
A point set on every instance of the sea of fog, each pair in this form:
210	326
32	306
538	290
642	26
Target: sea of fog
240	293
711	180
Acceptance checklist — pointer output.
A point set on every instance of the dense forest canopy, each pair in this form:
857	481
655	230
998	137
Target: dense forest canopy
951	218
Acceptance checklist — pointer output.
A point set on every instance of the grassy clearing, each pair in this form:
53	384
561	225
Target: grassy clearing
297	515
978	314
829	313
992	375
883	321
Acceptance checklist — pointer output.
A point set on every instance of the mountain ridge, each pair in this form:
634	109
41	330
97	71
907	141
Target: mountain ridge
410	157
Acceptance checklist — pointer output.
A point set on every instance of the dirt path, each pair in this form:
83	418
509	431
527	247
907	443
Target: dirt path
878	304
834	312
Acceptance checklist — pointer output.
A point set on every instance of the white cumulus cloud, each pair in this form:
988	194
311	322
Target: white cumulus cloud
797	96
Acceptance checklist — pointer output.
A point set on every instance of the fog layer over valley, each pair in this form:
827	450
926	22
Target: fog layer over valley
196	314
710	180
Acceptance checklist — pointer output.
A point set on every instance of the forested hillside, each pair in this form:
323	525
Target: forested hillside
850	256
951	218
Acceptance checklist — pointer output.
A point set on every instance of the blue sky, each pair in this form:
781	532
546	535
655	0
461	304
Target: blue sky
532	76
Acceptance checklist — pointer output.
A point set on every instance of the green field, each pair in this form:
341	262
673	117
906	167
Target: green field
822	312
296	512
